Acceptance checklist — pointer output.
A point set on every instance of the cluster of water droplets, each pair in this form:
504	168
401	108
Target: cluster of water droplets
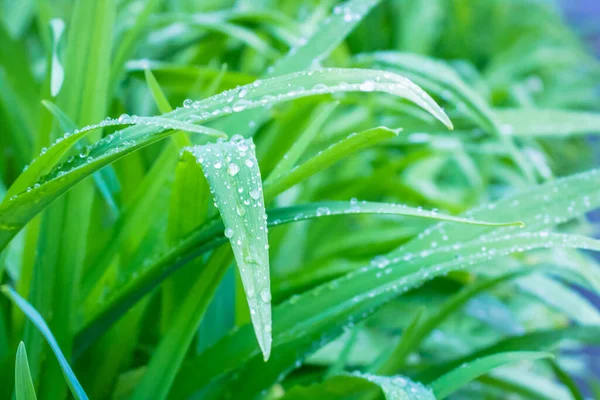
349	14
111	144
267	92
398	387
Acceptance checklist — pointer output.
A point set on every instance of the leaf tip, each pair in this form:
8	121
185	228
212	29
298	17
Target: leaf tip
265	346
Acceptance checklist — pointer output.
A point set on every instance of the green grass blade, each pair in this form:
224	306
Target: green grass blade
106	179
566	380
240	33
189	198
547	123
331	208
24	388
157	94
454	380
362	385
525	384
561	297
445	82
395	359
326	37
166	360
127	43
288	161
424	329
337	151
232	172
350	296
399	387
16	212
544	340
540	208
208	237
40	324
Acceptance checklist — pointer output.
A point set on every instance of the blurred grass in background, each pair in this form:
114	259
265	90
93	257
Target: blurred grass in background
404	260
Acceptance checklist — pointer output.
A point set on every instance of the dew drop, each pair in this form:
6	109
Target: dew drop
265	295
233	169
255	194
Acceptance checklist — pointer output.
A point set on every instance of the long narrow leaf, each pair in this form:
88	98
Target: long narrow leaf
40	324
452	381
232	172
24	389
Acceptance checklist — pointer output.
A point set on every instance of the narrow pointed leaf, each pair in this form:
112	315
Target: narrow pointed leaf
357	384
208	237
454	380
24	388
232	172
21	207
166	360
538	341
326	158
551	123
37	320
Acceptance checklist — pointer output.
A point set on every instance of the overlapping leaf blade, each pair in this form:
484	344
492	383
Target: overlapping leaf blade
22	206
298	327
41	325
232	172
339	387
447	384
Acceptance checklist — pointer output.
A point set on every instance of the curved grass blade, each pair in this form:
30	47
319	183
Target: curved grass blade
566	380
103	177
326	37
157	94
454	380
331	208
398	387
326	158
445	82
37	320
126	44
547	123
526	384
232	172
360	385
212	235
439	78
395	358
300	325
240	33
287	162
24	389
283	27
545	340
168	356
20	208
541	207
561	297
47	161
422	330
